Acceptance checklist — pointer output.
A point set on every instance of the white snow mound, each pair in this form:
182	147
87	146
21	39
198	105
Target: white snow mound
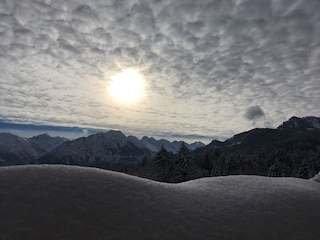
64	202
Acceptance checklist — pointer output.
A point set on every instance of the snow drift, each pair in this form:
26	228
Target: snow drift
64	202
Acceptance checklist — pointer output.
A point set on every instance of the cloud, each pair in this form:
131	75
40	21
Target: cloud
254	113
85	132
204	62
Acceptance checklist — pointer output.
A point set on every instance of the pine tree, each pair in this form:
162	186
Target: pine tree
208	162
272	171
184	161
162	157
304	170
211	161
231	165
144	161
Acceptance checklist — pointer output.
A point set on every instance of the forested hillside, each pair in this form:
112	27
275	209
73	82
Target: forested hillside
292	150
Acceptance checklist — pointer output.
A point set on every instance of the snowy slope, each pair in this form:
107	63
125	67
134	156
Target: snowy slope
17	150
64	202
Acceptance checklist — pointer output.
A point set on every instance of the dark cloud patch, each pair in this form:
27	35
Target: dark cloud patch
254	113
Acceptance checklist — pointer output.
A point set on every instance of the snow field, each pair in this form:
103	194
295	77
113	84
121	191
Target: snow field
67	202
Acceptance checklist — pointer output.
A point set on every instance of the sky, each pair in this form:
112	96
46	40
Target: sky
211	68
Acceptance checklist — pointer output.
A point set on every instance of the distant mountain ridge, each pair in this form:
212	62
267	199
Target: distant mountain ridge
294	128
82	151
155	145
292	149
301	124
110	150
16	150
106	150
47	142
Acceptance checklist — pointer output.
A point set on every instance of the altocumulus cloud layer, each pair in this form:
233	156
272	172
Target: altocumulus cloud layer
205	62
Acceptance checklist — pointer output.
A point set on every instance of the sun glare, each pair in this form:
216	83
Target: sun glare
127	86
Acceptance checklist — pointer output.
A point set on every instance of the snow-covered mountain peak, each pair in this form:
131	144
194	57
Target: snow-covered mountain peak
18	150
8	140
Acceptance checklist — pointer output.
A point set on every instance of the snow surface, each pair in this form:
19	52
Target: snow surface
67	202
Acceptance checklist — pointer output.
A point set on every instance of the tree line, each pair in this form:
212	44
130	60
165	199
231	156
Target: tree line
287	159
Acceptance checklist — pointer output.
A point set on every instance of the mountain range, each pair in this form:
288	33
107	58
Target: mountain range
294	128
155	145
47	142
292	149
111	149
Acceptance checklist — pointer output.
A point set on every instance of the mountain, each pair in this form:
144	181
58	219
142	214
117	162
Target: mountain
16	150
293	129
301	124
155	145
67	202
47	142
110	150
195	145
285	151
292	149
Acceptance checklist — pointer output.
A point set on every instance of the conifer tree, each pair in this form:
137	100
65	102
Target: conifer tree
162	157
304	170
184	161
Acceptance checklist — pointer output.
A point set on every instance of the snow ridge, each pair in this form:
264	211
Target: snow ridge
65	202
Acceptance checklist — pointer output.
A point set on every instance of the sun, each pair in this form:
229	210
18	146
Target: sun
127	86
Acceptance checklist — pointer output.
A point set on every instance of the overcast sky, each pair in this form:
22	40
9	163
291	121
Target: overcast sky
212	68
